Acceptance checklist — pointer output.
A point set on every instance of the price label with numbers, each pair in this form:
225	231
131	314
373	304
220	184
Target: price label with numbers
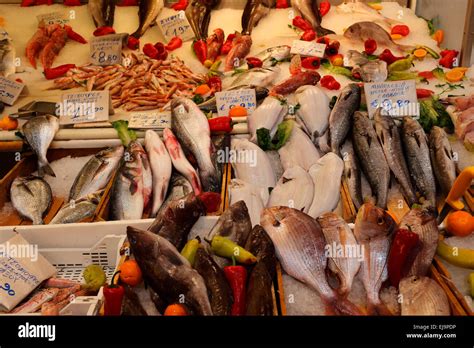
228	99
396	98
84	107
308	48
150	120
176	25
52	18
10	90
106	50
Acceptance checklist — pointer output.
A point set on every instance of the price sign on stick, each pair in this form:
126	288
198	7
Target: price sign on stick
83	107
176	25
10	90
150	120
308	48
229	99
52	18
106	50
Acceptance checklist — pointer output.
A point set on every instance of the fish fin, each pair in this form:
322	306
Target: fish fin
343	306
323	31
46	170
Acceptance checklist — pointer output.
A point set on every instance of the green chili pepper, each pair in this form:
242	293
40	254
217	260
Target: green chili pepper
224	247
401	65
190	249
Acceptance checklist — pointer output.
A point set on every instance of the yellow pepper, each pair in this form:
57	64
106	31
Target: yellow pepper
457	256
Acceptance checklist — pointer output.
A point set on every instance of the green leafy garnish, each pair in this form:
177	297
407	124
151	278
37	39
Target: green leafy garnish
448	87
281	137
126	135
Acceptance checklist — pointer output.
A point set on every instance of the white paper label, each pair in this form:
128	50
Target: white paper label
52	18
308	48
228	99
84	107
397	98
176	25
10	90
106	50
151	120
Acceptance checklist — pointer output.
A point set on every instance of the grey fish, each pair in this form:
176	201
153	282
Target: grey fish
148	11
309	10
372	158
274	55
260	244
423	296
138	301
7	55
198	13
31	196
259	298
39	133
167	272
211	106
373	71
417	154
192	129
96	173
442	159
388	134
76	211
340	119
103	12
352	173
257	77
254	11
179	187
423	223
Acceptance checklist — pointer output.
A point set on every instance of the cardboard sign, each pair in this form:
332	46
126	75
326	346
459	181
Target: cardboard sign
83	107
228	99
10	90
176	25
397	98
150	120
308	48
52	18
106	50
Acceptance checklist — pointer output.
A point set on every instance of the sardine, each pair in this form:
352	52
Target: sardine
96	173
167	272
309	10
255	198
442	159
7	55
210	104
298	151
314	110
260	244
274	55
31	196
254	11
258	77
76	211
192	127
372	158
103	12
295	81
423	296
240	49
39	133
267	115
352	173
259	296
148	11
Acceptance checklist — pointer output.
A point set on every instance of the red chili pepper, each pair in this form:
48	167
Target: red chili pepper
227	45
54	73
254	62
215	83
370	46
324	8
19	80
211	200
221	124
200	48
44	2
448	57
180	5
28	3
388	57
150	51
175	43
133	43
308	35
71	34
330	83
357	76
113	296
128	3
402	254
237	278
162	53
426	75
282	4
332	48
311	63
102	31
400	29
72	2
301	23
323	40
423	93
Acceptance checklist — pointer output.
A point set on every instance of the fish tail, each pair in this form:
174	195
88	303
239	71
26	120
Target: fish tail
46	169
323	31
343	306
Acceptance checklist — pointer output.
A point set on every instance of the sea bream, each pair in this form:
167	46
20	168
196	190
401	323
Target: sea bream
76	211
148	11
313	110
267	115
423	296
299	150
309	10
102	12
31	196
442	159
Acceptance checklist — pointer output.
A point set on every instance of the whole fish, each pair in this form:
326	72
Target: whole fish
309	10
7	55
259	298
254	11
167	272
146	175
234	224
417	153
258	77
423	296
148	11
300	247
371	154
389	137
240	49
314	110
137	301
76	211
161	168
31	196
39	133
372	71
255	198
340	119
96	173
261	246
103	12
192	127
220	293
127	201
198	13
339	235
423	223
442	159
373	231
326	175
299	150
179	160
35	302
352	173
179	187
214	44
267	115
274	55
289	193
210	104
295	81
176	220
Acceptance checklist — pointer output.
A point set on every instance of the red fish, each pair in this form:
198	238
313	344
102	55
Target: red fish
296	81
239	50
214	44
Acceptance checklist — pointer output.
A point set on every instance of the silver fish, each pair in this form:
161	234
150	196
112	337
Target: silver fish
7	55
442	159
96	173
179	187
352	173
423	296
32	197
148	11
258	77
372	71
314	110
254	11
274	55
39	133
146	175
309	11
103	12
76	211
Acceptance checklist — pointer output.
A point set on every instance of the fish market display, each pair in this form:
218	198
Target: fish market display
268	115
31	196
423	296
314	110
273	55
372	71
309	10
39	133
298	151
255	198
352	173
103	12
442	159
7	55
148	11
254	11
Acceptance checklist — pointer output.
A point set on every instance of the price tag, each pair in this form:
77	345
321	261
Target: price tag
52	18
308	48
10	90
106	50
83	107
150	120
176	25
397	98
228	99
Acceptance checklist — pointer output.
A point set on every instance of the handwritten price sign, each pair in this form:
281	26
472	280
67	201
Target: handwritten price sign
229	99
150	120
84	107
176	25
52	18
10	90
106	50
308	48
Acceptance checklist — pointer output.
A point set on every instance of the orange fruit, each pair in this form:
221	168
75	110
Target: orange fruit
238	111
176	310
130	273
460	223
454	75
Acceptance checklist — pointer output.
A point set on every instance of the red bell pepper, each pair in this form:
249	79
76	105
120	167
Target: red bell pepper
426	75
44	2
71	34
181	5
72	2
302	23
311	63
388	57
227	45
282	4
221	124
370	46
175	43
400	29
332	48
200	48
133	43
54	73
254	62
215	83
150	51
423	93
330	83
237	278
324	8
113	296
162	53
323	40
448	57
308	35
102	31
402	253
28	3
211	200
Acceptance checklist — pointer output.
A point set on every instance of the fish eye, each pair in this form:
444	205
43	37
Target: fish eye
380	220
